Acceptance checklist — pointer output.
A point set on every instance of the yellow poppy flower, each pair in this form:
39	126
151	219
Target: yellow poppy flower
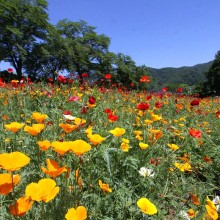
183	166
35	129
211	209
117	132
80	213
143	146
147	206
38	117
173	146
14	126
95	139
79	121
13	161
191	213
45	190
104	187
155	117
6	182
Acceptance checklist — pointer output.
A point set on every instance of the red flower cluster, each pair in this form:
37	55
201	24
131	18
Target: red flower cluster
144	79
195	133
62	79
111	116
143	106
194	102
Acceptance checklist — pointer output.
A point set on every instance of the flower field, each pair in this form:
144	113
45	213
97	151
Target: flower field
76	152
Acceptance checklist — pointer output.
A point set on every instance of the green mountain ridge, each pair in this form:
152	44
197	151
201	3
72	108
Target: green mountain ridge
189	75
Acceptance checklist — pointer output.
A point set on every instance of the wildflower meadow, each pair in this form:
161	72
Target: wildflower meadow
74	151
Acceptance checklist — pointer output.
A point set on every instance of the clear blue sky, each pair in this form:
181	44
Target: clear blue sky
156	33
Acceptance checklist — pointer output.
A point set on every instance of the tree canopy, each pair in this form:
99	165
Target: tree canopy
212	85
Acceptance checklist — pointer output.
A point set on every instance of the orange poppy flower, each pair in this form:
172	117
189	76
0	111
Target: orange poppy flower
60	147
45	190
53	168
6	183
44	145
104	187
38	117
14	126
68	127
79	179
13	161
79	147
194	199
35	129
80	213
22	206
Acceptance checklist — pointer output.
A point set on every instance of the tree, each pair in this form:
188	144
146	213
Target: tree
23	23
86	48
125	69
212	85
49	57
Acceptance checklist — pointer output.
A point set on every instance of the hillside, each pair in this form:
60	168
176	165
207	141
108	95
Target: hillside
182	75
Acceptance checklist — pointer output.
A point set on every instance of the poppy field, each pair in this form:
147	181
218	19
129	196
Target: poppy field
75	152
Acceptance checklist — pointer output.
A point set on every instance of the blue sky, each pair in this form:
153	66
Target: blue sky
156	33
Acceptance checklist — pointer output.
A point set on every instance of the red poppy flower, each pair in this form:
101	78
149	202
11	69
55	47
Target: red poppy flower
144	79
148	97
180	89
217	114
195	133
112	117
164	89
143	106
108	111
132	84
62	79
67	112
10	70
70	81
85	75
158	104
92	100
108	76
194	102
84	109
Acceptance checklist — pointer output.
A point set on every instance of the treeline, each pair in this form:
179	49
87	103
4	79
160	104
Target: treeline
39	50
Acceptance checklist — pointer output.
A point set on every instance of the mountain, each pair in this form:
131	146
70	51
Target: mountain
189	75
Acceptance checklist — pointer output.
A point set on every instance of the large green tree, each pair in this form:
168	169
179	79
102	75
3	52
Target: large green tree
212	86
49	57
86	49
23	23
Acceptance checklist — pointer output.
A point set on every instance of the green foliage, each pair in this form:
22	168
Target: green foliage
175	76
212	85
22	24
